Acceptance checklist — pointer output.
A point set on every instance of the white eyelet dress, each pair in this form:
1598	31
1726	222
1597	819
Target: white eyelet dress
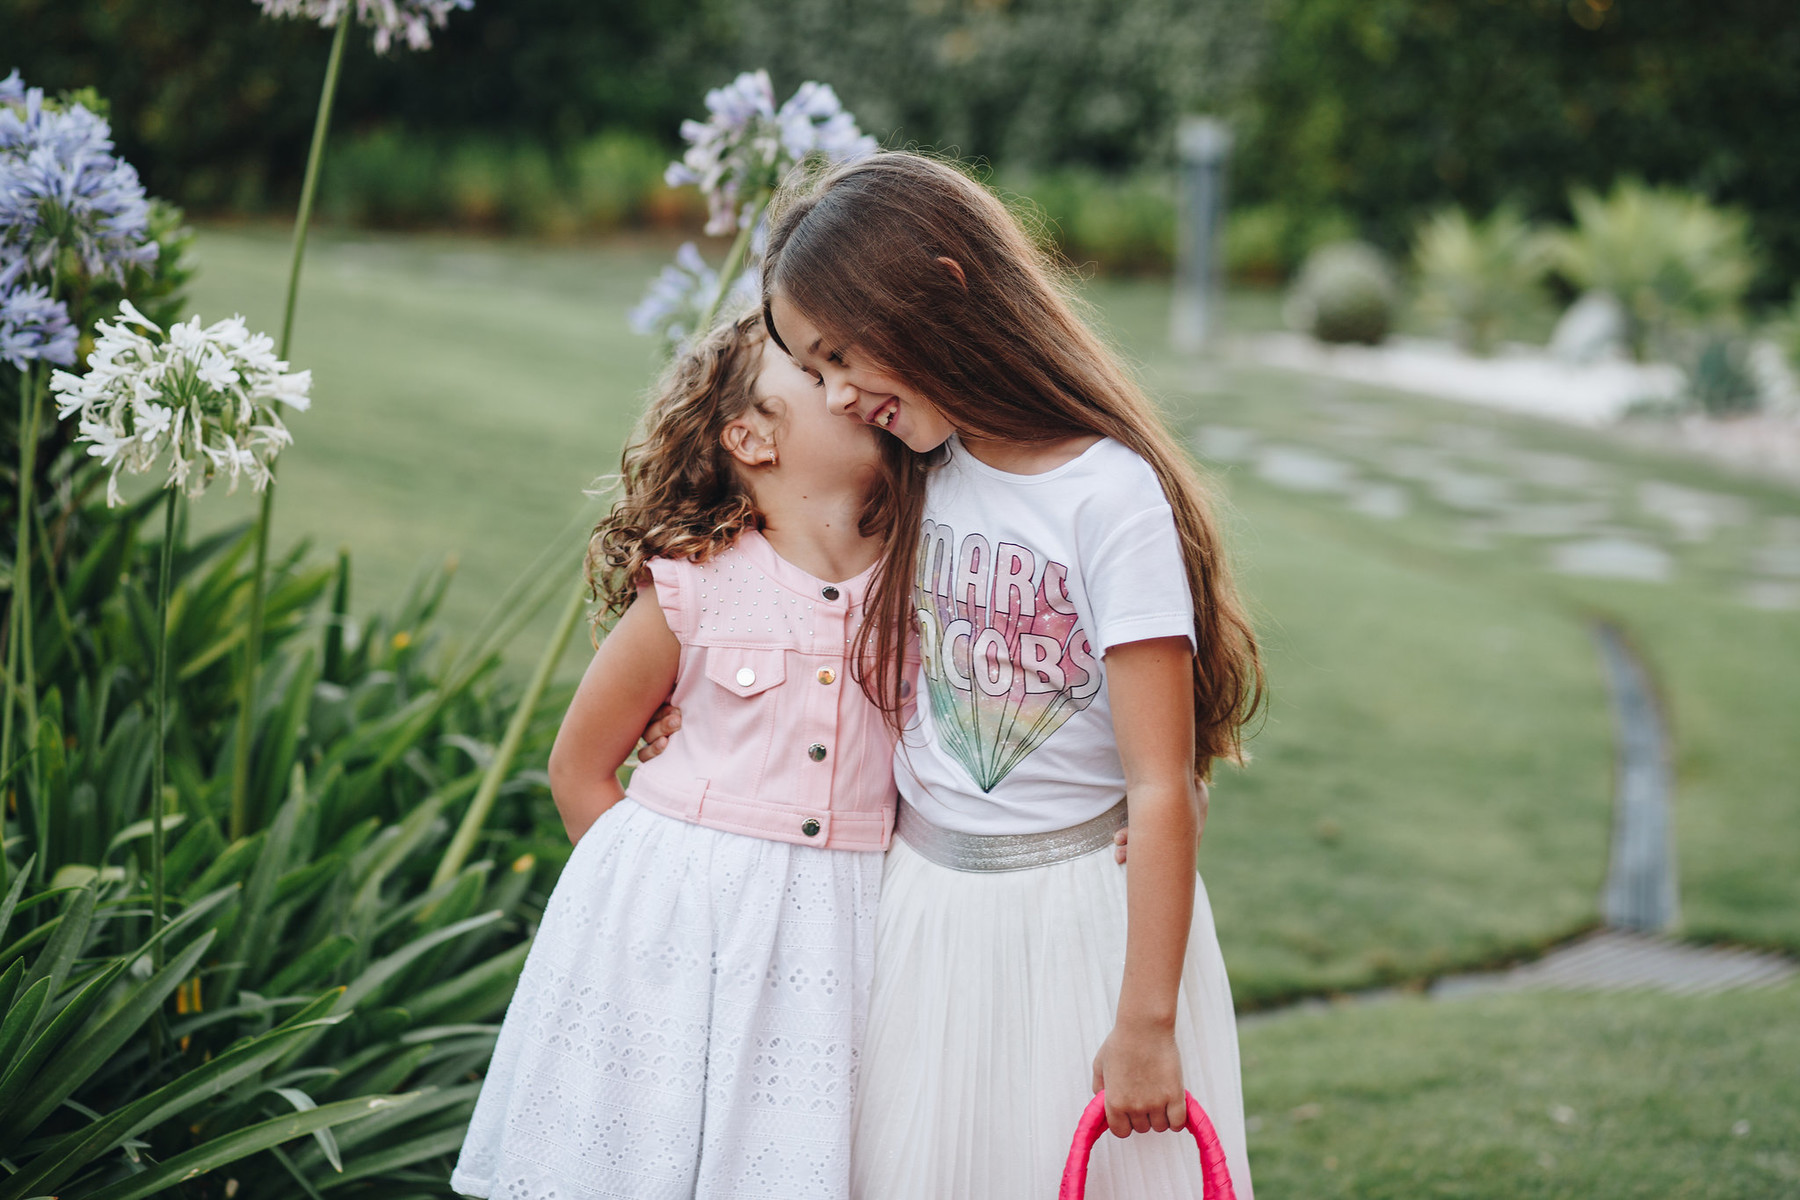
689	1019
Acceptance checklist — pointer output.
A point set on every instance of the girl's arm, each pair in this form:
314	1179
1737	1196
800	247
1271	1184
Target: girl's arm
1151	685
1202	794
632	674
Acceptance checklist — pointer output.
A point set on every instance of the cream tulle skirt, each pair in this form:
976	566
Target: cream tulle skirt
992	993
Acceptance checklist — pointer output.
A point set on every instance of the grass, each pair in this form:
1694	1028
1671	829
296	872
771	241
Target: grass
1431	785
1431	788
1725	668
1593	1097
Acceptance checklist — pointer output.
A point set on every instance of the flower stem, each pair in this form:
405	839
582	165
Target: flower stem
159	712
12	609
734	266
314	158
464	841
19	664
246	722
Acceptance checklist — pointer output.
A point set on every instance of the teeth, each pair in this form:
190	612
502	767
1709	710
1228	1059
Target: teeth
885	419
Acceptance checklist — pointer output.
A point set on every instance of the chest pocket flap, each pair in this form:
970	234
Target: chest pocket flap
746	672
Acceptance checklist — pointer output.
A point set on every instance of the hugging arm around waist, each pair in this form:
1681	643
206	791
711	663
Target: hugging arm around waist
629	678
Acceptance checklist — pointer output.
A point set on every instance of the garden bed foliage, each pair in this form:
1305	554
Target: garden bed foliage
319	962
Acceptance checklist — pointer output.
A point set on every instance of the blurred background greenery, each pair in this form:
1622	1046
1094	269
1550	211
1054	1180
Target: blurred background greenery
554	117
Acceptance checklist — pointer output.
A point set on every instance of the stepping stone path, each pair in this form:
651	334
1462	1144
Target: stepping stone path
1487	487
1640	879
1598	522
1640	898
1615	960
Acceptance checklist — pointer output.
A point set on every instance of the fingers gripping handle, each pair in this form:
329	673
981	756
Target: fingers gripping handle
1214	1173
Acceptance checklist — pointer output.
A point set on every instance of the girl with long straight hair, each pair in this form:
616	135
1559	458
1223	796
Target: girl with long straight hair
1084	659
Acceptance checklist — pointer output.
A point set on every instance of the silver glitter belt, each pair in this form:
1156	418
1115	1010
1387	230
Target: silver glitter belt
1005	851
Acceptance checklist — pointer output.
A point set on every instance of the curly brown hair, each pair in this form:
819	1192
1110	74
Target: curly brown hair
681	496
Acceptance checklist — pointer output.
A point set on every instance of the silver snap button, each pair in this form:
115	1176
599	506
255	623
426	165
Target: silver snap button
829	592
810	827
745	677
816	752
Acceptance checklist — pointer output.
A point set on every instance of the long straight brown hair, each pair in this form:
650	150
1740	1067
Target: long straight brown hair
1003	353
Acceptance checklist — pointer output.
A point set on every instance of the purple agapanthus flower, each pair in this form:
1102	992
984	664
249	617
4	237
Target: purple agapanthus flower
746	144
61	186
34	327
409	21
813	121
680	296
736	157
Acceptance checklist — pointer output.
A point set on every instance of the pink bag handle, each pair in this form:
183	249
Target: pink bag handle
1215	1175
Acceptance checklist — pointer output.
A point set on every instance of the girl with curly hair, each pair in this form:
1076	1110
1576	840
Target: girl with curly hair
690	1017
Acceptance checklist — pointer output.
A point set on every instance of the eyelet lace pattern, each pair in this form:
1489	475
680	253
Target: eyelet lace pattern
688	1023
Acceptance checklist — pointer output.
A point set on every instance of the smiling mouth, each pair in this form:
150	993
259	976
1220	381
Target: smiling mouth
884	416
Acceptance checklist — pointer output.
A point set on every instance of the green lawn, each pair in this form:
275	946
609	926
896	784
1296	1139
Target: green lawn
1490	503
1431	787
1596	1097
465	394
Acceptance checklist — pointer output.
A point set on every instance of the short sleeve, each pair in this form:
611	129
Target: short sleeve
1137	582
668	576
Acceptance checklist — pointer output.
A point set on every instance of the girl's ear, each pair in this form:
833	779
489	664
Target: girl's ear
955	268
750	439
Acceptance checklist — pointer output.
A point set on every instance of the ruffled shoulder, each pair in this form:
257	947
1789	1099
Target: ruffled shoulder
674	580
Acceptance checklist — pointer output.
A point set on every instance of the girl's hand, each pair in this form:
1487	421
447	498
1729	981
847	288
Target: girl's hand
1124	835
1140	1069
656	734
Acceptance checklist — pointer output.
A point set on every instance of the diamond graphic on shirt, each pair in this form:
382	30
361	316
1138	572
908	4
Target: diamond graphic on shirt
1004	659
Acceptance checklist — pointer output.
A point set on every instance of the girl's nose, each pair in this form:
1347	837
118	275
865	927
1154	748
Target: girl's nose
841	398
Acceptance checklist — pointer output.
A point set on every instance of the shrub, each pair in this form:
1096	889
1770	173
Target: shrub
476	183
1722	380
384	178
1115	222
1478	277
1345	293
1673	259
616	176
537	199
1389	110
1257	241
315	966
389	179
1266	243
1784	330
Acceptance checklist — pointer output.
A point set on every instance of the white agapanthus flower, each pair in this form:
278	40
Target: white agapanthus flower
410	21
208	396
746	144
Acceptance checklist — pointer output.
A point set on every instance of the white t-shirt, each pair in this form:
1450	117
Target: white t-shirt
1023	583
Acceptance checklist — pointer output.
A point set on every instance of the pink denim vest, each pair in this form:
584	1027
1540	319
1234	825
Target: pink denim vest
777	740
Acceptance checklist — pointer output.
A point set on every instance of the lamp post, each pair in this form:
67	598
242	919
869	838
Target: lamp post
1203	146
